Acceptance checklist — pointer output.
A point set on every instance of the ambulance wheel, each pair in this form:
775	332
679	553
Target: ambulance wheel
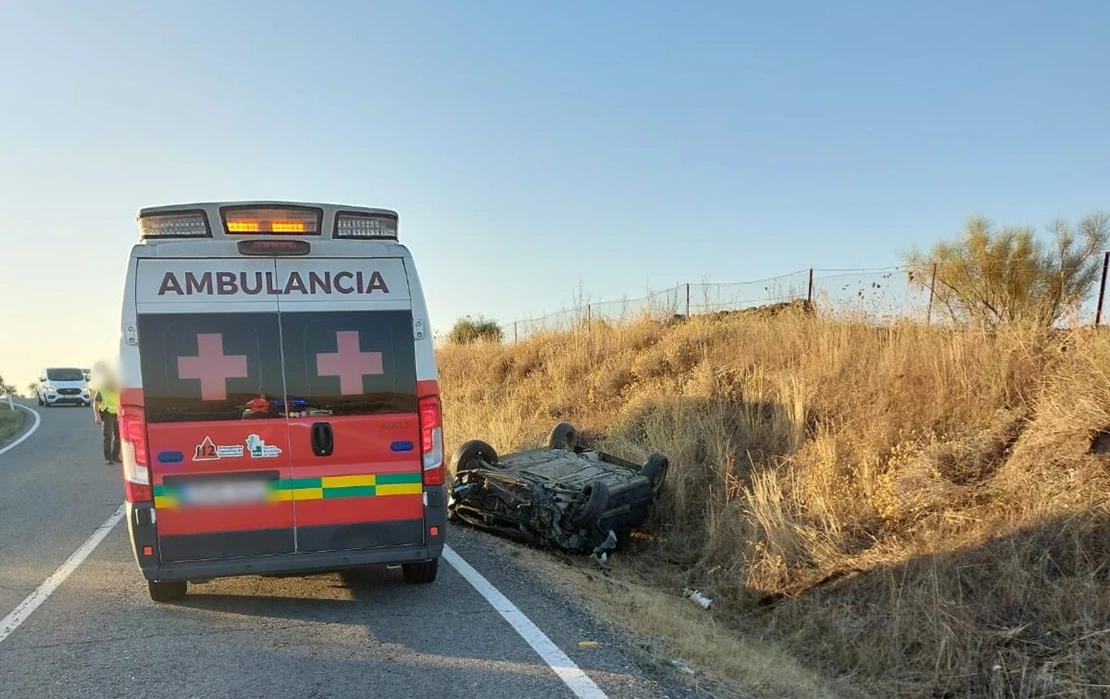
167	591
420	573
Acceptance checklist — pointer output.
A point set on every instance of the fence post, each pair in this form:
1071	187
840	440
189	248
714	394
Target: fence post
514	331
932	286
589	313
1102	288
687	299
809	294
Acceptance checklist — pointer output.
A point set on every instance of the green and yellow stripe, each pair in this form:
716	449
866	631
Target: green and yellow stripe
325	488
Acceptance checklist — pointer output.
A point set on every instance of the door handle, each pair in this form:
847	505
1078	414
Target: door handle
323	439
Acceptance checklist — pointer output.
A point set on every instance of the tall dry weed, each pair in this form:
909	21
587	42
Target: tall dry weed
917	509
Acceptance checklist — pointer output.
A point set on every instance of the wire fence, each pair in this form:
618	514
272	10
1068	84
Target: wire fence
886	293
879	295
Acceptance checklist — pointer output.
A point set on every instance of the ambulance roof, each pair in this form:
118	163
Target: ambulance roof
215	206
255	219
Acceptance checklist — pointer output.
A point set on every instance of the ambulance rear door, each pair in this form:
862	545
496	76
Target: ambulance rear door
213	384
354	432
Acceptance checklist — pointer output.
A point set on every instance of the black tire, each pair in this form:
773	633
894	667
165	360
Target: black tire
475	450
563	436
167	591
41	401
596	496
655	470
420	573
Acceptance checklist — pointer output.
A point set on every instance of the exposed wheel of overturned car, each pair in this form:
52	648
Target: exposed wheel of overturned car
471	455
655	470
594	501
563	436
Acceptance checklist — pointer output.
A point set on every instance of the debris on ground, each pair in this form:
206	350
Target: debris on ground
600	555
697	597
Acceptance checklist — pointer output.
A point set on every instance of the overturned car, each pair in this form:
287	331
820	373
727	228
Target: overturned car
561	496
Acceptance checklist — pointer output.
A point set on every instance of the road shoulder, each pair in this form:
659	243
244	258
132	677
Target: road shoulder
568	620
666	636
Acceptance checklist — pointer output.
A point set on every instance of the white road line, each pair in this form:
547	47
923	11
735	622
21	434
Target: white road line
19	615
571	675
28	433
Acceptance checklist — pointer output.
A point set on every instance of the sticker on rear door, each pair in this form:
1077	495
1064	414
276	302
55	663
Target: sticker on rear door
259	449
210	451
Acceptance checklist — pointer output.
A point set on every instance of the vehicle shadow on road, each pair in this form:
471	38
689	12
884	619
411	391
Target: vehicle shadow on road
370	634
445	627
376	599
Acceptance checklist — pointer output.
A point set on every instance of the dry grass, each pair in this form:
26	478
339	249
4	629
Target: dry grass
11	421
912	512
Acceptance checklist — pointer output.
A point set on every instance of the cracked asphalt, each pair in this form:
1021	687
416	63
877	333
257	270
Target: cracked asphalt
99	635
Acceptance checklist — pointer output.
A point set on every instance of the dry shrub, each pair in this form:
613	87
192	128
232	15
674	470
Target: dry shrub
918	510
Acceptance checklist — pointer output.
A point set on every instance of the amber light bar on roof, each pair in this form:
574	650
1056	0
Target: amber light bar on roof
271	220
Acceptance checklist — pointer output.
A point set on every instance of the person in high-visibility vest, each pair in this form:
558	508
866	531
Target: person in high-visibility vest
105	404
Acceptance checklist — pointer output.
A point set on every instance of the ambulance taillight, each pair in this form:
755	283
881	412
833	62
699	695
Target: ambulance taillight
135	456
431	439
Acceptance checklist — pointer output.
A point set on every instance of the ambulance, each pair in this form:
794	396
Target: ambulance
279	402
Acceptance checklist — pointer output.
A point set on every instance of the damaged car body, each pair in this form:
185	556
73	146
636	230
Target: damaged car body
562	496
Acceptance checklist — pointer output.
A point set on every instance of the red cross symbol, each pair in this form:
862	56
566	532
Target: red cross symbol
212	366
349	363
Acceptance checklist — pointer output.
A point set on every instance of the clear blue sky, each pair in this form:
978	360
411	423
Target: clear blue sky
532	150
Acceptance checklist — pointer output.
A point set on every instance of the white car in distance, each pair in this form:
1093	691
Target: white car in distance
63	386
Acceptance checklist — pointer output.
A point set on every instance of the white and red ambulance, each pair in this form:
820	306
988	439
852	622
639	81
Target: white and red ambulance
279	408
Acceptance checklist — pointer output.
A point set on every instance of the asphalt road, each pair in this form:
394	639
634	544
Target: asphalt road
99	635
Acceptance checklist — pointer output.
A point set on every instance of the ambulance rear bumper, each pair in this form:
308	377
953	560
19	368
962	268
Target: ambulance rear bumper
144	536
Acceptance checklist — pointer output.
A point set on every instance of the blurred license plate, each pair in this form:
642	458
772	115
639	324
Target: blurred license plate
232	492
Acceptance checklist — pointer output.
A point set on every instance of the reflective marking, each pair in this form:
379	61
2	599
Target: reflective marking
19	615
572	676
170	457
347	481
